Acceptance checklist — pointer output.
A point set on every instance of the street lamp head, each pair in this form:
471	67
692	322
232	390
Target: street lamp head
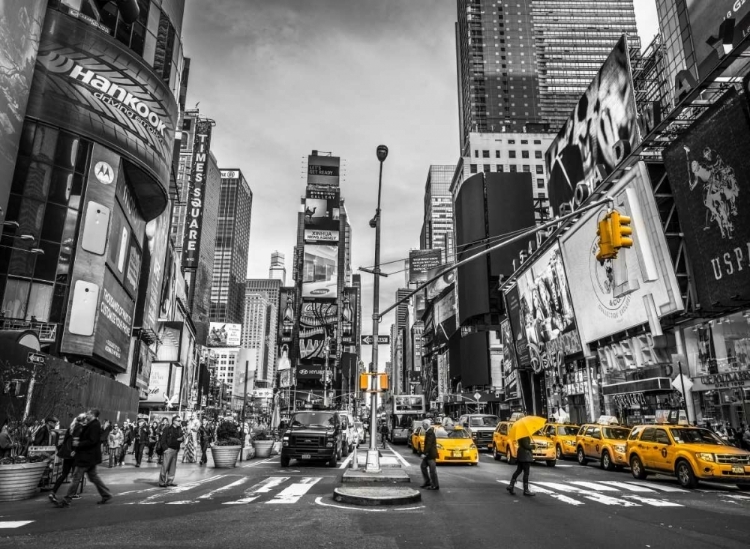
374	222
382	152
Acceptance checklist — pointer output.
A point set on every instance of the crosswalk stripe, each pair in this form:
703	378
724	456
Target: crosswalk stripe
254	492
630	487
654	502
177	490
293	493
550	493
594	486
661	486
212	493
14	523
593	496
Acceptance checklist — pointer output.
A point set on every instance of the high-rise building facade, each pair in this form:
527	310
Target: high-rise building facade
255	329
523	64
230	253
277	271
437	227
269	290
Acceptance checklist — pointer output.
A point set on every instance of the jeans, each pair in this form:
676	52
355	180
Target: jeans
67	467
168	467
522	467
432	478
138	451
204	447
114	455
94	478
151	448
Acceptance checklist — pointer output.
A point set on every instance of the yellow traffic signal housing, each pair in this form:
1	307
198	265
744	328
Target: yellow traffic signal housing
604	232
382	382
380	385
364	382
621	231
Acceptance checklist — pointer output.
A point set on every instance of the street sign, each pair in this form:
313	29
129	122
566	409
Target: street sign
477	395
35	358
368	339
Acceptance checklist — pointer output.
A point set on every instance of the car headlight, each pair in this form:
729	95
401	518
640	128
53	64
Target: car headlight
439	446
620	448
570	443
473	447
705	456
329	444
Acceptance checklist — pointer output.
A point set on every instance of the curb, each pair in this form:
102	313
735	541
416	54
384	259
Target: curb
376	496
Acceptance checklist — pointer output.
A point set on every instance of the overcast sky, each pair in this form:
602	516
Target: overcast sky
285	77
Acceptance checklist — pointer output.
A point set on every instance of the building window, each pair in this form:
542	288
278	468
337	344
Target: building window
511	154
524	154
500	168
486	168
511	141
513	168
485	154
476	154
539	168
526	168
538	154
537	141
473	168
540	183
497	154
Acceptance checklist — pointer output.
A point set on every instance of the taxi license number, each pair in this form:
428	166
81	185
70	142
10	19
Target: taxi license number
738	469
456	453
306	456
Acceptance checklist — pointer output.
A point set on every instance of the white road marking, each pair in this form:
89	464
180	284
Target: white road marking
404	463
661	486
654	502
177	490
735	496
14	523
254	492
593	496
255	464
630	487
319	501
140	491
293	493
212	493
594	486
346	462
550	493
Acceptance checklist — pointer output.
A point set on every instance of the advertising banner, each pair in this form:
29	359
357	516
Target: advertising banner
349	316
286	315
435	287
196	195
509	356
316	315
420	263
322	215
323	170
158	382
705	19
89	83
20	30
311	372
614	296
114	323
517	324
221	334
320	271
708	169
230	174
157	231
586	144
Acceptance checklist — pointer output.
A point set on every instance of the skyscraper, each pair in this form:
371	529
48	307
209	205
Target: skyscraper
277	271
523	64
230	252
437	228
255	334
268	289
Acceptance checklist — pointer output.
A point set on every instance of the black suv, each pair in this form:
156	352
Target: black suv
313	435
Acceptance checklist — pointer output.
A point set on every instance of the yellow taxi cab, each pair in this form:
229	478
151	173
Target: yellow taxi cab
604	441
417	439
542	447
690	453
455	446
564	437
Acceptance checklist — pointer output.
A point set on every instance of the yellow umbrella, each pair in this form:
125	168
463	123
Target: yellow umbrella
525	427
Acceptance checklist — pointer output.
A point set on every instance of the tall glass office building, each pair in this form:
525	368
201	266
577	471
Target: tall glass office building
524	62
437	228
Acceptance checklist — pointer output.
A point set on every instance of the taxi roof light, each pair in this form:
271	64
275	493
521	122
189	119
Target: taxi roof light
515	416
607	420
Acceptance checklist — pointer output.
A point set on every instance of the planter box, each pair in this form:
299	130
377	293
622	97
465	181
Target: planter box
225	456
20	481
263	448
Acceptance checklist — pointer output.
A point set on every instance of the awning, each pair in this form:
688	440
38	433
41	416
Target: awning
638	386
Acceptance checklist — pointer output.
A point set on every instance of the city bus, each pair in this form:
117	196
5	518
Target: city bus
402	411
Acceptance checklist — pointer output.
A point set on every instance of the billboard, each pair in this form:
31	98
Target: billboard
229	174
509	356
316	315
420	263
320	271
221	334
114	323
435	287
705	19
587	144
158	382
87	82
349	320
615	296
517	323
708	169
286	315
547	312
323	170
196	195
322	215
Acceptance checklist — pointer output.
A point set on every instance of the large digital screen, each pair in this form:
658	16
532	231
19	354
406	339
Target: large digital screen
322	211
221	334
320	271
420	264
705	19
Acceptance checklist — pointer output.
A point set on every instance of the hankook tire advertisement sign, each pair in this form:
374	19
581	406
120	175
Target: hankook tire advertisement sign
708	170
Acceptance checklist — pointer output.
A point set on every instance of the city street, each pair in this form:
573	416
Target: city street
259	503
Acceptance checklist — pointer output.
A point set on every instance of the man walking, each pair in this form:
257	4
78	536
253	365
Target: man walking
170	443
429	458
141	440
87	453
525	457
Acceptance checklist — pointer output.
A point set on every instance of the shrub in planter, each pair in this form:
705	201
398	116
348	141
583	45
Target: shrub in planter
227	435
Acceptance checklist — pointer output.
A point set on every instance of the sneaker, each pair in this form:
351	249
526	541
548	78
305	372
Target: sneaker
52	498
433	488
76	496
137	464
171	484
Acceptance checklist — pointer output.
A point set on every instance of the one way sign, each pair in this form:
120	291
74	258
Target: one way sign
382	340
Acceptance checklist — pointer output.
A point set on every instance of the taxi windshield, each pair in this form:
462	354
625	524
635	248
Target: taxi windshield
456	433
483	421
616	433
695	436
570	430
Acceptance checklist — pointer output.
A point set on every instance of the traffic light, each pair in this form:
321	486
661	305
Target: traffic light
382	382
621	231
364	382
604	232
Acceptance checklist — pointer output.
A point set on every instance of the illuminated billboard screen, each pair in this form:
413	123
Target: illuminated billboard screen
322	216
323	170
420	263
320	271
221	334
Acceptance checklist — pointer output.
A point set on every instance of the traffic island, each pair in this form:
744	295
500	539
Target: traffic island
376	495
385	476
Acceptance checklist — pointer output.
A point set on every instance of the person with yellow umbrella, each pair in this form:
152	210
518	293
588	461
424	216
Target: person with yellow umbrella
521	431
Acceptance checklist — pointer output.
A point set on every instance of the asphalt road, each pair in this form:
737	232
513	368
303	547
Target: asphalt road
259	504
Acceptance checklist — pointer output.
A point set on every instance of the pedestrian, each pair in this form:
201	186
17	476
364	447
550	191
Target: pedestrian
6	442
114	442
46	435
106	429
162	426
127	437
524	459
205	434
189	453
429	458
745	441
87	454
384	432
67	455
141	441
153	432
170	446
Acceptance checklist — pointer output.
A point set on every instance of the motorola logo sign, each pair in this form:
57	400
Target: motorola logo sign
104	173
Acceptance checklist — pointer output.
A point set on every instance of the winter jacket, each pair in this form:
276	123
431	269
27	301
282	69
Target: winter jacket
116	439
6	443
524	450
171	438
430	444
142	434
89	449
66	448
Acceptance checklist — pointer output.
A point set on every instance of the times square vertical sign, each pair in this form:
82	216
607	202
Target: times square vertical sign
196	195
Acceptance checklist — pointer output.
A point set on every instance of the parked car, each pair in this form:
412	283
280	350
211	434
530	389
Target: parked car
480	427
360	431
415	424
350	431
564	437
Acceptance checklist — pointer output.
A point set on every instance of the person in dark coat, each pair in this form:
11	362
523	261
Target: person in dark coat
141	441
65	453
45	435
205	435
170	445
87	453
429	459
524	459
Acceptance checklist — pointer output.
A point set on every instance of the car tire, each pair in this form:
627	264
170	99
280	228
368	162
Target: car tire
285	461
606	462
511	460
551	462
636	468
558	452
495	454
744	487
334	461
346	449
582	460
685	475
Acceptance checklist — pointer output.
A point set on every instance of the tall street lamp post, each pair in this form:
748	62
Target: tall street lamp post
373	457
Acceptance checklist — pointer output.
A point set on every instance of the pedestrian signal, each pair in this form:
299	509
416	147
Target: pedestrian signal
621	231
605	250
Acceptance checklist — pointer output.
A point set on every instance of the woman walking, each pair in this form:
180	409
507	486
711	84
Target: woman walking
66	453
525	457
153	433
116	439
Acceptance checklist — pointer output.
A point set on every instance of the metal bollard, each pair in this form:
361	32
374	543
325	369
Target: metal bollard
355	464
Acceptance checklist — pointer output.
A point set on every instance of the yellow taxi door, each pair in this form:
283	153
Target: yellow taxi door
594	449
662	451
645	447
